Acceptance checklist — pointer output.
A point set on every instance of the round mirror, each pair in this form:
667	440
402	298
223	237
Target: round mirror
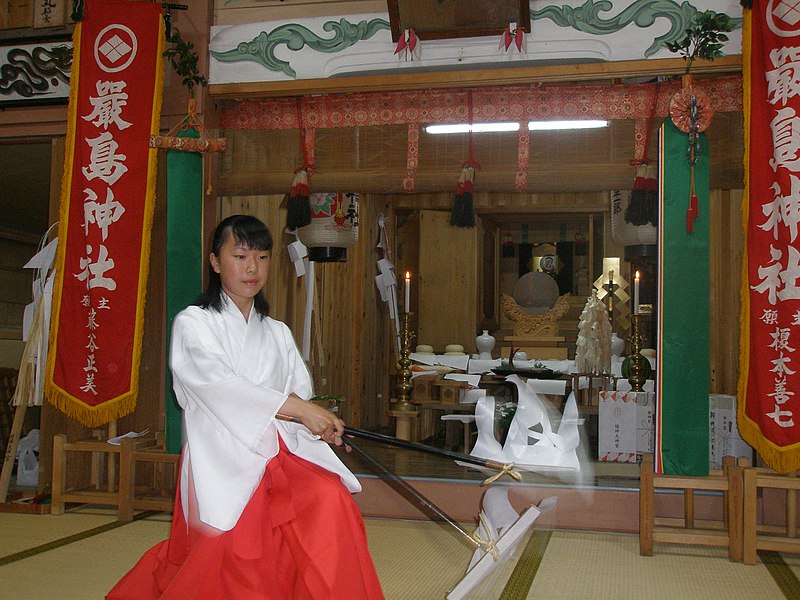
536	292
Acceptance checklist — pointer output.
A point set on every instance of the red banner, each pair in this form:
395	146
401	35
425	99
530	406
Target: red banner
769	388
106	213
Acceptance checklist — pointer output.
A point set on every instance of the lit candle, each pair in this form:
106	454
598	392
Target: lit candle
407	286
636	293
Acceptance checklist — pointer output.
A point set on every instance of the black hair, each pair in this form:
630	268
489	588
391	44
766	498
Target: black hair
249	232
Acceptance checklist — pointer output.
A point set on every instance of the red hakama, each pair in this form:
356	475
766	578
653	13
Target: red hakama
301	537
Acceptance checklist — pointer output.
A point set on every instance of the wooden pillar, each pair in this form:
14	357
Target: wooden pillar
403	423
646	505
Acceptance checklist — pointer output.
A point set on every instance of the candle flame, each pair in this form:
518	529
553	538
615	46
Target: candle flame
637	275
408	275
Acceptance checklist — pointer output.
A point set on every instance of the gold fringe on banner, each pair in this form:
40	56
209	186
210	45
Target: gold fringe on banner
747	428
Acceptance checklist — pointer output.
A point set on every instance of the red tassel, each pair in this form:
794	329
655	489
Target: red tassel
689	221
694	205
465	186
300	185
640	177
298	207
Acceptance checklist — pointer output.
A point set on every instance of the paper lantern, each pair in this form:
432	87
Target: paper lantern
333	228
626	233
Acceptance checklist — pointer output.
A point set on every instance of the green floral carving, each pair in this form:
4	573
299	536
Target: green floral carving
295	37
643	13
586	18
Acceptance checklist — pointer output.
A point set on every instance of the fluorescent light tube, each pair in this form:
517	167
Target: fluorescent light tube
532	125
476	128
551	125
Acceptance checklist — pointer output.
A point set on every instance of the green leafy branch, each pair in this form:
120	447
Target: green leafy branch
184	59
704	39
505	413
329	402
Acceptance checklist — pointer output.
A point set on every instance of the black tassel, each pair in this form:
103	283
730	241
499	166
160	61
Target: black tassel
643	207
298	208
463	212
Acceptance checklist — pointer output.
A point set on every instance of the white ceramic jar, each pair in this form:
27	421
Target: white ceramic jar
485	344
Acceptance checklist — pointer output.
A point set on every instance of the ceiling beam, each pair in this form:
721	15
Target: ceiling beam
15	235
476	78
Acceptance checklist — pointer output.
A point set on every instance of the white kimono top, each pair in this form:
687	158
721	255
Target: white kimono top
230	377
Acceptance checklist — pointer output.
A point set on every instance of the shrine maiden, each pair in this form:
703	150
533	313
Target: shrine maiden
263	508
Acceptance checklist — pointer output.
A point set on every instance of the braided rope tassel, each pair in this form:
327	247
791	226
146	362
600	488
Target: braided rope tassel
489	546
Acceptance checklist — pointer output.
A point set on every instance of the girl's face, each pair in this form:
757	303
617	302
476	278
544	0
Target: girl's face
243	272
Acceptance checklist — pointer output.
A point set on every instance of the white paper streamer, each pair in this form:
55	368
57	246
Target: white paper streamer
486	445
482	366
470	380
298	254
303	267
386	281
42	291
550	449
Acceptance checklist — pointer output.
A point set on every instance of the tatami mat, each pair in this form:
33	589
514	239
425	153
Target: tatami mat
83	570
21	531
608	566
793	561
410	551
415	561
424	561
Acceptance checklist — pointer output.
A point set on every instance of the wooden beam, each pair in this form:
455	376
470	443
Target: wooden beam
15	235
475	78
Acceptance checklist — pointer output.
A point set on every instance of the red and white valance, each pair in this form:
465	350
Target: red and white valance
489	104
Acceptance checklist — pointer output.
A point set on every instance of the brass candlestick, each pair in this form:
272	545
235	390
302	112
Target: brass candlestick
636	376
404	387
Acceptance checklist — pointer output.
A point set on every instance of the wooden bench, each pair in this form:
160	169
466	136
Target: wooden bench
689	530
120	492
160	493
769	537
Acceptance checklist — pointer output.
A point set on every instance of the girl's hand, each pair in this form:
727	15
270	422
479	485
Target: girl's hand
316	419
